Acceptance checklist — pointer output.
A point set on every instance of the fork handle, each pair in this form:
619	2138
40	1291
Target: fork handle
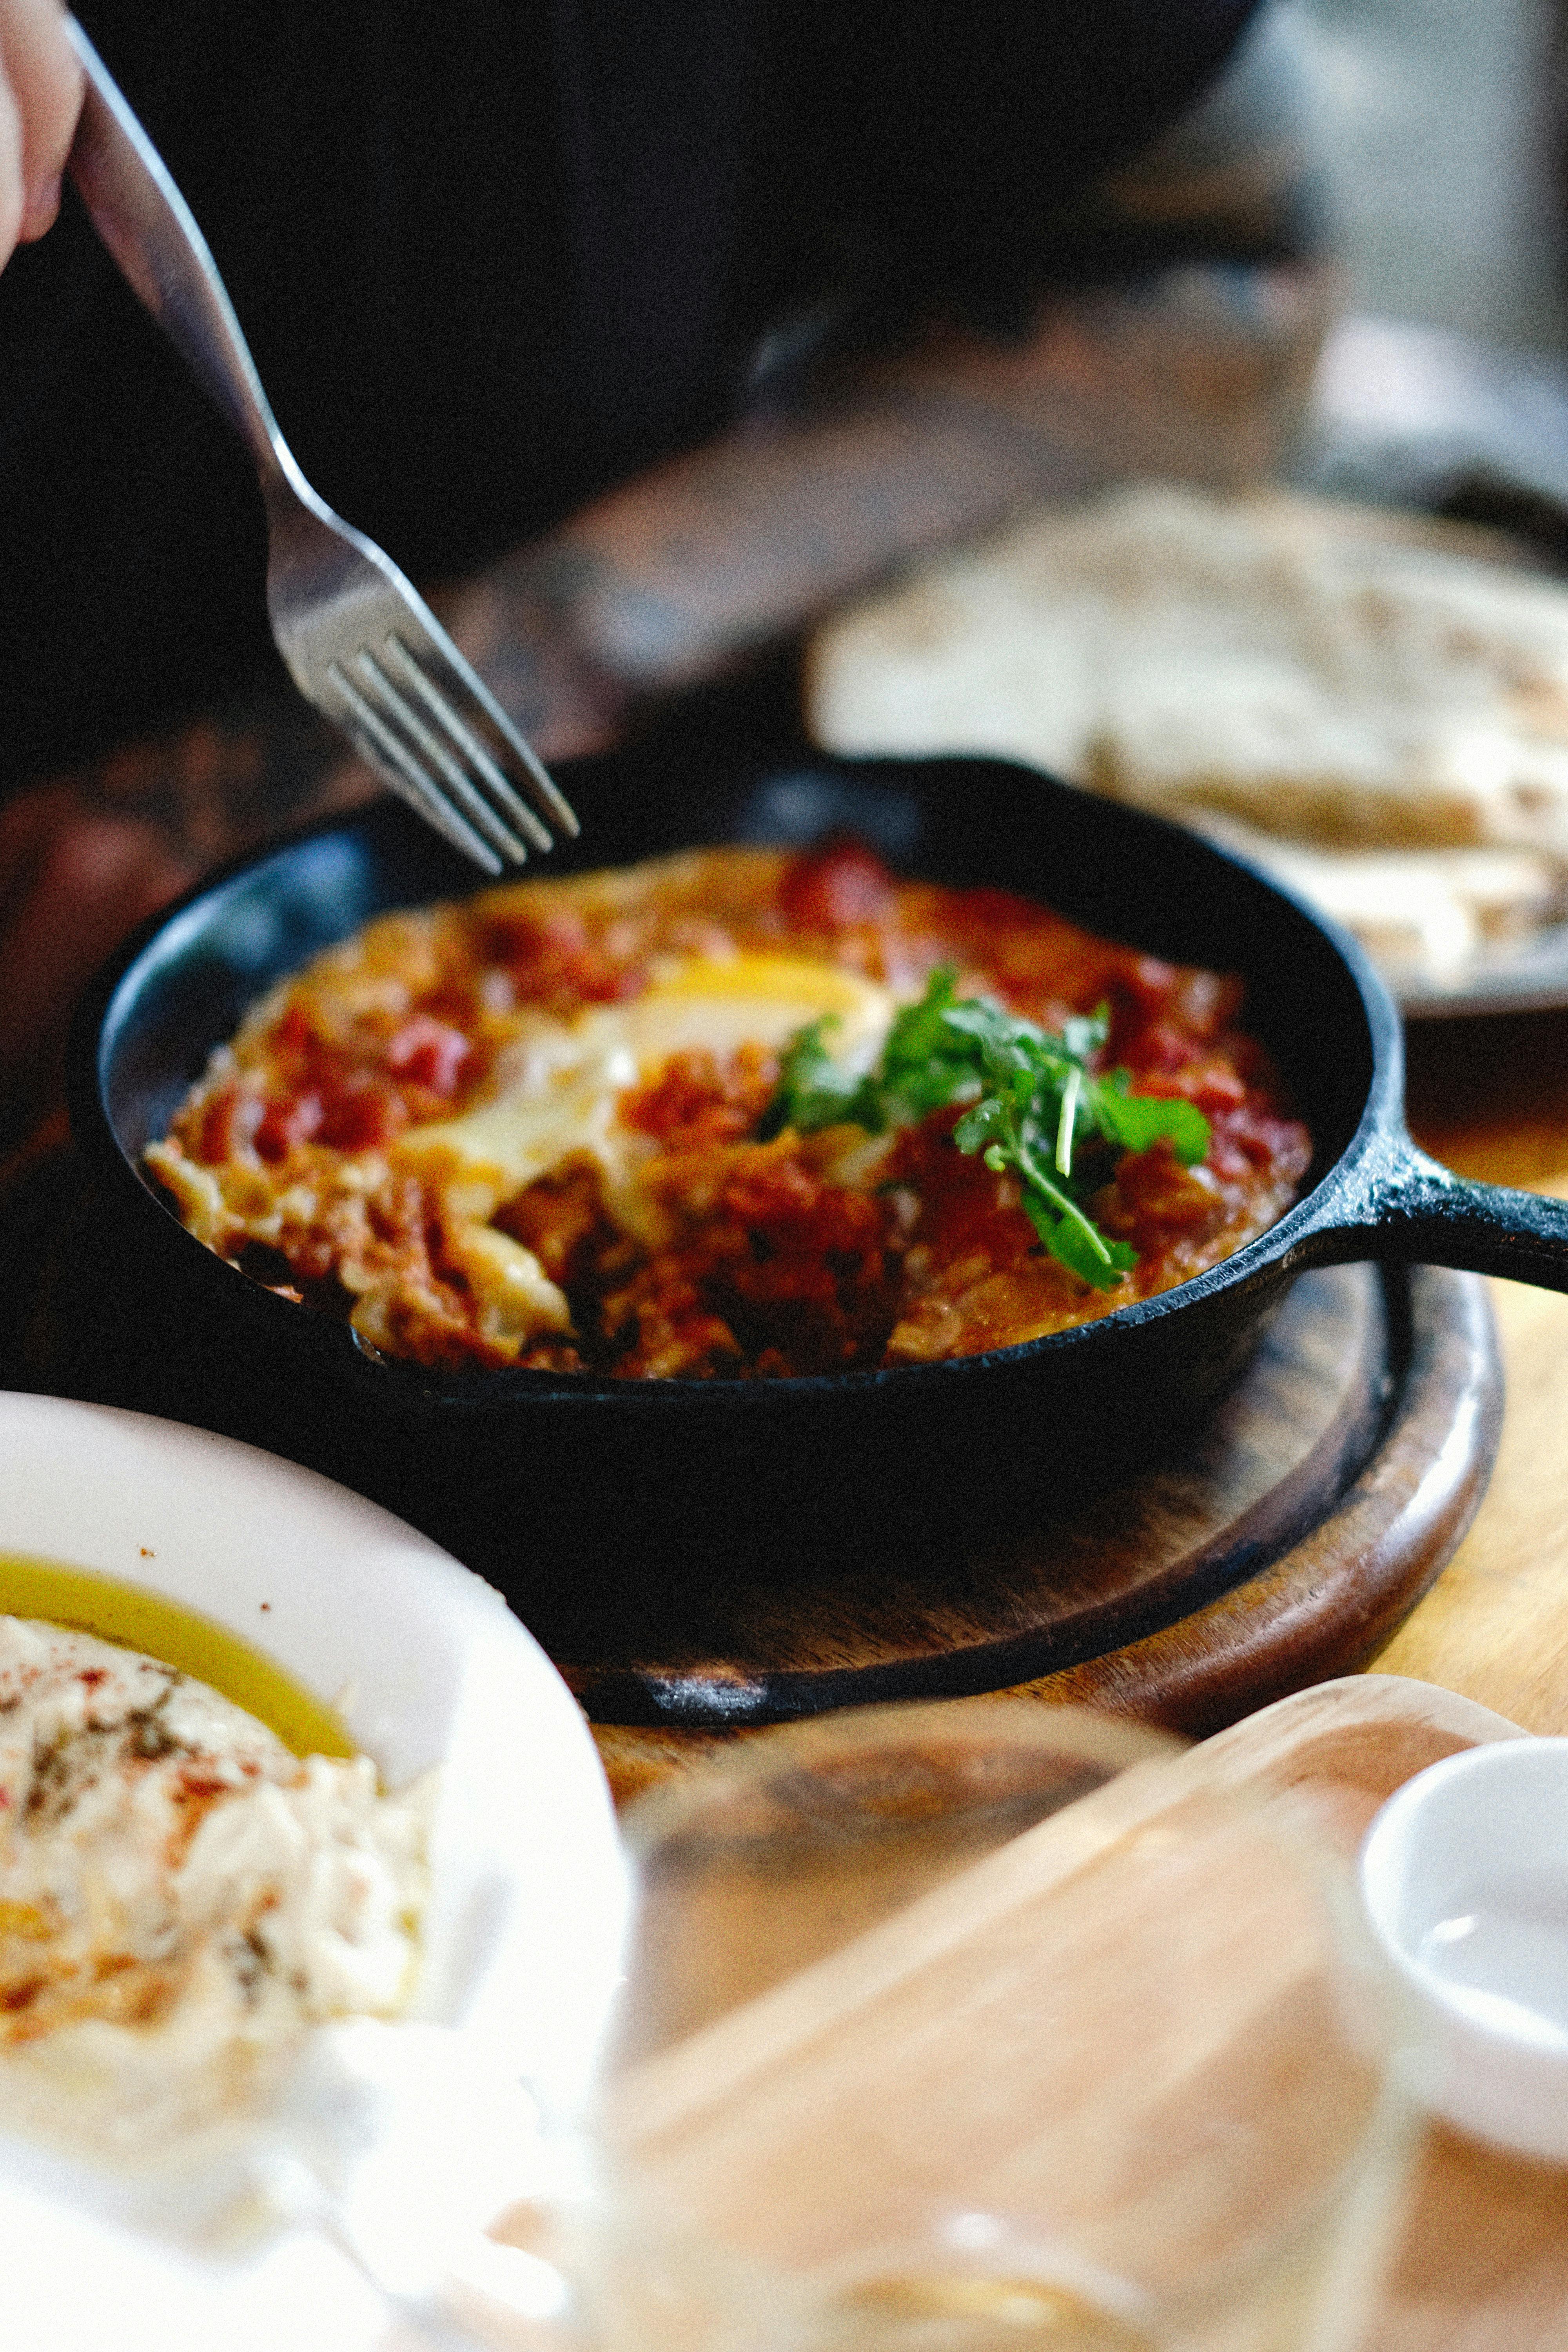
148	228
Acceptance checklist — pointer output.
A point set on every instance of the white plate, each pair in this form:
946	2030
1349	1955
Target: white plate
427	1666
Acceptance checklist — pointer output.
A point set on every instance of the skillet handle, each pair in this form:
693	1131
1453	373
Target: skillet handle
1405	1208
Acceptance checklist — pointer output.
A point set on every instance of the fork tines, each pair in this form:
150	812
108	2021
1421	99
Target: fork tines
405	716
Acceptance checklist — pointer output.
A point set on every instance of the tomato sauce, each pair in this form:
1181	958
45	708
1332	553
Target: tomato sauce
691	1242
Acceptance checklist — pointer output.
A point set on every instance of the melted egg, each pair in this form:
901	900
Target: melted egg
556	1089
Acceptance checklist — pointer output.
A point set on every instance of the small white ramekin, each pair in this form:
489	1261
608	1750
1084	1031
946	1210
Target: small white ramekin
1483	1830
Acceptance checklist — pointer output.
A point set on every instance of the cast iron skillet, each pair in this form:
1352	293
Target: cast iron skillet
535	1478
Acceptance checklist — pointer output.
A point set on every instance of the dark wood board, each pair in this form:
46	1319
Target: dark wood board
844	1631
1352	1553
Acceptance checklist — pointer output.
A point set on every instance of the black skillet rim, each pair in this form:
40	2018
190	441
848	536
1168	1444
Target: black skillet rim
1263	1259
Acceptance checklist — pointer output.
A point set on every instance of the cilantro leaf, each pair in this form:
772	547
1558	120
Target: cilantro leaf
1032	1097
1137	1121
925	1066
813	1091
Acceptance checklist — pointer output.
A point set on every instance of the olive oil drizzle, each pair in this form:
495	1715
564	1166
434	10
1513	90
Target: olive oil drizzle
137	1619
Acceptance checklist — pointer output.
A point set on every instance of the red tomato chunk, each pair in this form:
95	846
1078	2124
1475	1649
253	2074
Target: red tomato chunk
751	1254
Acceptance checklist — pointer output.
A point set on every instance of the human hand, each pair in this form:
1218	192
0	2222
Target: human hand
40	98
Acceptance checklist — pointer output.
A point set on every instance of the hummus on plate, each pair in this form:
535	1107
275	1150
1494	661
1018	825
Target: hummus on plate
180	1897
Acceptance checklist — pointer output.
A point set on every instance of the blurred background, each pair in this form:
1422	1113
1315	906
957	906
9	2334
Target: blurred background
1443	126
1443	122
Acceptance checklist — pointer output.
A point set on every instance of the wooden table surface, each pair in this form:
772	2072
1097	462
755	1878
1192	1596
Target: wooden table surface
1481	2264
1490	1099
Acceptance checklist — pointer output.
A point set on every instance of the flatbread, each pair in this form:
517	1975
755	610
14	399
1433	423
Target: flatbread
1379	703
1429	915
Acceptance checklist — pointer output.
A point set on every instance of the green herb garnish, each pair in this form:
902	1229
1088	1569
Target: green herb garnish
1033	1099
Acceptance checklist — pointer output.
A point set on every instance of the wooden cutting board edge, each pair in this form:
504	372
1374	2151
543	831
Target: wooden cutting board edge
1326	1606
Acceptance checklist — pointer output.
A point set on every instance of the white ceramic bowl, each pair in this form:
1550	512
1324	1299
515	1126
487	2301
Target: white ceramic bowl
1464	1876
427	1667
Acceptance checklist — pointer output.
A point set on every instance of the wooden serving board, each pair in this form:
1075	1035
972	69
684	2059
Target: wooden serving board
1285	1545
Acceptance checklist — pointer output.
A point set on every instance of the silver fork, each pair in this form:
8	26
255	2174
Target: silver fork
360	641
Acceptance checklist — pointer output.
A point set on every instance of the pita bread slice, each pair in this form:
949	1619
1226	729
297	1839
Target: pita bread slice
1322	676
1429	915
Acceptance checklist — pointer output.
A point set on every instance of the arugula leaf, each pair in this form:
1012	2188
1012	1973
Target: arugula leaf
813	1091
1136	1121
925	1066
1074	1243
1033	1097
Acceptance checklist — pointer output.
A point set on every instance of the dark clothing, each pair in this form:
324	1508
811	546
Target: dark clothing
493	255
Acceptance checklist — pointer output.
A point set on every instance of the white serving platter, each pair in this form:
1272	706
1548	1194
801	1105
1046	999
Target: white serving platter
427	1667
